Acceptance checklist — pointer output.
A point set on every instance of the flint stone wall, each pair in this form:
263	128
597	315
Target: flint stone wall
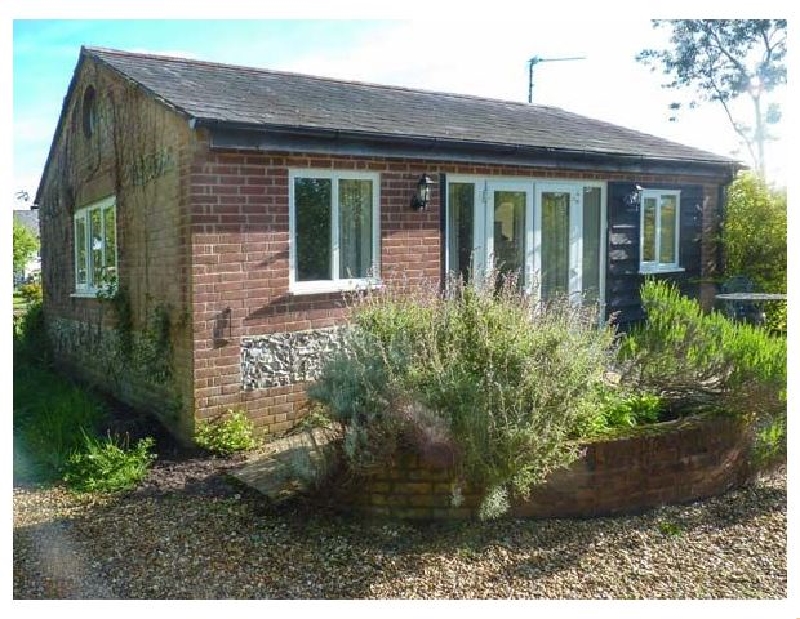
281	359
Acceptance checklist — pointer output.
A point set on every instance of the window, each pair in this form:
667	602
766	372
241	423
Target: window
333	226
89	111
95	246
660	223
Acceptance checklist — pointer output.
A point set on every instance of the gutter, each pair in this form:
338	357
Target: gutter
248	136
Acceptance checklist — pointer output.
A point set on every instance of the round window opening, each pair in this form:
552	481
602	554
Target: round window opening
89	112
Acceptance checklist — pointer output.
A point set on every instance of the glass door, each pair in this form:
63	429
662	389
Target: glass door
508	233
569	230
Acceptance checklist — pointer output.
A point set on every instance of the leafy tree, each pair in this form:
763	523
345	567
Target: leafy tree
722	59
25	245
754	238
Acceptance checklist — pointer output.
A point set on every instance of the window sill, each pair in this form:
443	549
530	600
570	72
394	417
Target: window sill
663	269
344	285
84	294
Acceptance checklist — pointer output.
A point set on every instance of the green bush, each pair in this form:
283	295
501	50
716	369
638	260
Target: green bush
30	340
227	434
500	380
109	464
32	293
694	359
619	409
754	240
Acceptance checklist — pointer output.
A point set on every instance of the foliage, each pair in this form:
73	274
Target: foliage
30	339
51	416
32	293
25	245
482	373
621	409
693	359
108	465
721	59
151	352
667	527
754	238
226	434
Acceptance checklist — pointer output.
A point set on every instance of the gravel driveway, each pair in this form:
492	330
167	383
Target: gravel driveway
187	533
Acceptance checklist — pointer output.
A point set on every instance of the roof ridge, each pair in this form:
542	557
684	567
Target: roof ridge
210	63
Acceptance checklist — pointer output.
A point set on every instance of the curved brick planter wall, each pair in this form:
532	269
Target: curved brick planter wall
683	461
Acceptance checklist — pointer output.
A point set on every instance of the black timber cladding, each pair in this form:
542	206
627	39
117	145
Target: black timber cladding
623	279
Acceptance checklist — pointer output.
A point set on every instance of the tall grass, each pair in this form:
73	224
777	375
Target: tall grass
57	422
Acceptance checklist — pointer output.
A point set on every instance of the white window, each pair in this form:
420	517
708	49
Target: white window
95	246
334	223
660	226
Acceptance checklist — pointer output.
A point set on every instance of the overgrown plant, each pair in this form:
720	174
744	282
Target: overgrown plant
109	464
226	434
694	359
482	375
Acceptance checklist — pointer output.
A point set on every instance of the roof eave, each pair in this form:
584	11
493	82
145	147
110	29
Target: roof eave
248	136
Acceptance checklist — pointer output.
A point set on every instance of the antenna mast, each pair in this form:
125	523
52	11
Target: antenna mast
536	60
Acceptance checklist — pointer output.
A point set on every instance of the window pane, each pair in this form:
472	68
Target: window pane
110	215
509	233
96	239
312	202
591	243
80	251
668	230
461	201
649	230
355	228
555	243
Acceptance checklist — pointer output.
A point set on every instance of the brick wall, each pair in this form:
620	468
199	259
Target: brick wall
240	259
682	462
152	236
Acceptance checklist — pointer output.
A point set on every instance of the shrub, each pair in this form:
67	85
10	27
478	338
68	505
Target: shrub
620	409
754	239
32	293
694	359
227	434
30	340
500	381
109	464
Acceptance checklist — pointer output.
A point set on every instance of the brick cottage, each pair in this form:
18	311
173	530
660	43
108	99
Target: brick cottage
232	206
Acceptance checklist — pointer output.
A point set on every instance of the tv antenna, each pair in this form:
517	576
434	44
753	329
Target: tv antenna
536	60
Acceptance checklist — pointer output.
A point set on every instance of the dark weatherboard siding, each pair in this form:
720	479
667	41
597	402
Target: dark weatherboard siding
623	279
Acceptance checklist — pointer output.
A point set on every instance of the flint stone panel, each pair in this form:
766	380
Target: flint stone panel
280	359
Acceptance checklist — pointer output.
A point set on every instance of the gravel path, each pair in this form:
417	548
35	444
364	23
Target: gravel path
188	534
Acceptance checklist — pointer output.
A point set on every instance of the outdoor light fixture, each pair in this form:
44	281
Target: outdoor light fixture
424	187
632	199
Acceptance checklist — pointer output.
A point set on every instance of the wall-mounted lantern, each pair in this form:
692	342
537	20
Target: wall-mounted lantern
423	194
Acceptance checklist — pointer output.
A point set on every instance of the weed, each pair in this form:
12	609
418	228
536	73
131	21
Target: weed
109	464
670	528
226	435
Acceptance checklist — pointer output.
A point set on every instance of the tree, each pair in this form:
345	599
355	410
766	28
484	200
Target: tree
25	245
754	239
722	59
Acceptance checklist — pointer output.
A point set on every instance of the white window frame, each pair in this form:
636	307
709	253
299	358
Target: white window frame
656	266
335	284
89	289
533	235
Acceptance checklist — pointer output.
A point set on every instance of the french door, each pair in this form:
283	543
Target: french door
550	234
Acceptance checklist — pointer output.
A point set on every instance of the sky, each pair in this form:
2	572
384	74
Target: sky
471	57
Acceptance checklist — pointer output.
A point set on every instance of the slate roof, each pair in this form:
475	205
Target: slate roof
264	98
